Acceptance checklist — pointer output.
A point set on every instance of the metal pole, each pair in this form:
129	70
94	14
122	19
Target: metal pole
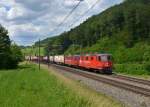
80	49
73	48
48	59
39	56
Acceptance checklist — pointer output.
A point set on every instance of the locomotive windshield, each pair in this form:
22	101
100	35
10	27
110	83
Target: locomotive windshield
104	58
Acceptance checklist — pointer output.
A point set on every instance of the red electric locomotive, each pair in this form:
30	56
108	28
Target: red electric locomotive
97	62
72	60
68	60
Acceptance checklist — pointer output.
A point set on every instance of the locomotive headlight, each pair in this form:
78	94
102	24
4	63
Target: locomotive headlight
107	64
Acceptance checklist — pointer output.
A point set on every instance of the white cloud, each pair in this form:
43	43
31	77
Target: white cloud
16	12
28	20
36	5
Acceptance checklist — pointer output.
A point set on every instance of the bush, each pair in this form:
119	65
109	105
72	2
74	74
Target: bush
147	66
133	69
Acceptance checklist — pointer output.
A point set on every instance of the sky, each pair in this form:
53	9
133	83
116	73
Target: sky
27	21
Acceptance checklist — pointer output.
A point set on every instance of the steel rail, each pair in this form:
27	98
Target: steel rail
137	80
116	83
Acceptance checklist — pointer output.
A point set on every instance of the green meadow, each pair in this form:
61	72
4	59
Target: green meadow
29	87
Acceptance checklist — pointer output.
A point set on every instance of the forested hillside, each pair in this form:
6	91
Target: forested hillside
122	30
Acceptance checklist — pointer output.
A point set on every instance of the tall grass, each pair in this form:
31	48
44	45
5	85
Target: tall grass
29	87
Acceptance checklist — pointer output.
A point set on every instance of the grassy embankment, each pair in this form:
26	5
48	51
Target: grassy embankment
136	70
28	87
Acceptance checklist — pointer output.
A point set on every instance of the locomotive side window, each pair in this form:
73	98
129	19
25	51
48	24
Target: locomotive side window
92	58
99	58
87	58
77	58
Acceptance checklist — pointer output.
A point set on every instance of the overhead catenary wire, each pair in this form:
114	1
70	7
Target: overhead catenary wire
84	13
67	16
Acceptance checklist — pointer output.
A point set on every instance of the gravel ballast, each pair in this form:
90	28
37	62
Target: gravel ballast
127	97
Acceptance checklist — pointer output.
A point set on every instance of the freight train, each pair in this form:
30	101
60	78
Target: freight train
94	62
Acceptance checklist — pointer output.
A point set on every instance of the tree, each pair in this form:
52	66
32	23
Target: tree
10	56
4	47
16	53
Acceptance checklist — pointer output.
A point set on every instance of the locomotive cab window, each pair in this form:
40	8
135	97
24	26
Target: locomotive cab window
109	58
105	58
77	58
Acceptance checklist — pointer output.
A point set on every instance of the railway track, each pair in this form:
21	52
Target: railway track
141	81
109	80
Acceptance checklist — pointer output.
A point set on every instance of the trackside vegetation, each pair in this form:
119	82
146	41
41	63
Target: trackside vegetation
26	86
33	51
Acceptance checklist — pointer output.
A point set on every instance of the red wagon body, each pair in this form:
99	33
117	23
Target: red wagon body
72	60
